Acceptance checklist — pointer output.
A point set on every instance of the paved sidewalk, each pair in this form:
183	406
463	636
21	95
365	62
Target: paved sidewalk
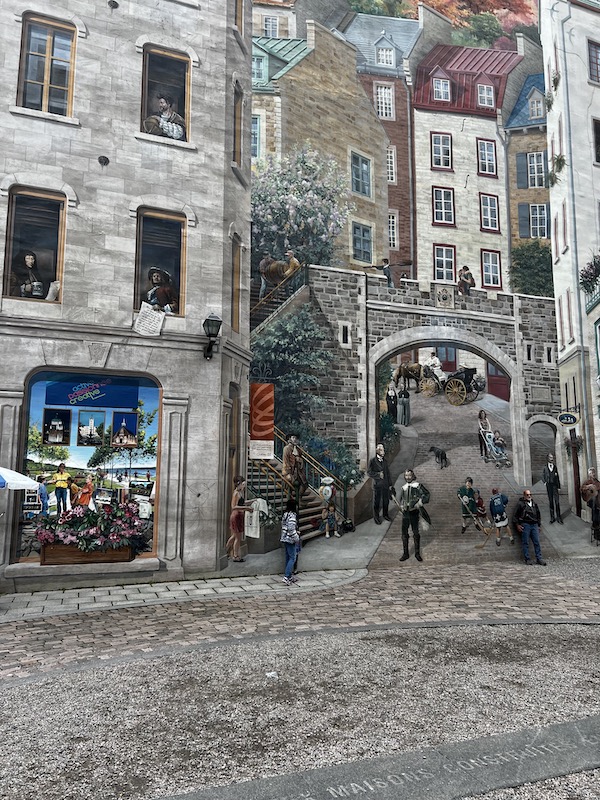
35	605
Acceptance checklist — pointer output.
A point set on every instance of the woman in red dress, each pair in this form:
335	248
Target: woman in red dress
236	518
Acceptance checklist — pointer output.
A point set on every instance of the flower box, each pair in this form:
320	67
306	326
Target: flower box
110	533
57	554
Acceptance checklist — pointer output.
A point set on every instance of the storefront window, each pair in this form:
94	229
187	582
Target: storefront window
104	429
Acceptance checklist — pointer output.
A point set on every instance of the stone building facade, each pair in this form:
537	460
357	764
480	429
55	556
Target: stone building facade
313	94
461	97
368	324
116	207
527	165
287	18
570	34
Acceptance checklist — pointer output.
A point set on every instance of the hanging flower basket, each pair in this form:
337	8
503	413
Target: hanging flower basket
113	532
589	275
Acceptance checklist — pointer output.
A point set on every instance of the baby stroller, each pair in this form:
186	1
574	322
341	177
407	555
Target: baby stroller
494	452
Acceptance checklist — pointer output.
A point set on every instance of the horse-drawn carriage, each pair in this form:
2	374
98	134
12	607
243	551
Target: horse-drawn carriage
462	386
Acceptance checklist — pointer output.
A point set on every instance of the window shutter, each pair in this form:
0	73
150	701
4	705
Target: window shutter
522	172
546	170
524	231
548	225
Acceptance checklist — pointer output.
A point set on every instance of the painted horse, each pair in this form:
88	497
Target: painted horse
408	372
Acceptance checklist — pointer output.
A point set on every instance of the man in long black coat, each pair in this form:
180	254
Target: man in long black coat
551	479
379	472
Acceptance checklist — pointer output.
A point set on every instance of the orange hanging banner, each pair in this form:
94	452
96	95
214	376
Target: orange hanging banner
262	420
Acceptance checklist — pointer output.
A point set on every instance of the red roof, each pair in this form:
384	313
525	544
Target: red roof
464	67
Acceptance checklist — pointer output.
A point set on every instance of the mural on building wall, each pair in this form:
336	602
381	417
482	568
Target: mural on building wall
125	428
164	95
90	429
33	245
57	427
159	259
71	418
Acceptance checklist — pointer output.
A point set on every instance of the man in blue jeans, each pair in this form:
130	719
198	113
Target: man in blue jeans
527	519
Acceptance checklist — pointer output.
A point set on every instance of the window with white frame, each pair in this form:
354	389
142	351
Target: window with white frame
443	206
361	174
258	68
362	242
441	89
255	137
538	221
393	230
391	164
536	107
594	61
535	169
271	27
441	151
490	269
385	56
486	157
489	212
485	95
444	257
384	101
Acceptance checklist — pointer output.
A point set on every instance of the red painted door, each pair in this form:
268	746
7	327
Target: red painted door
498	383
447	355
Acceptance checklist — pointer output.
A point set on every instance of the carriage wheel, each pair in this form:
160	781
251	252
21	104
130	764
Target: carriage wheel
428	387
456	392
472	394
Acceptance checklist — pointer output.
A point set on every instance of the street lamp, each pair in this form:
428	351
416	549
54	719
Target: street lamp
212	326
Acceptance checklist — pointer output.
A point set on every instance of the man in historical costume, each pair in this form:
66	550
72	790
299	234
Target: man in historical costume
293	464
292	263
263	268
167	122
527	519
465	281
551	479
412	498
590	494
435	365
379	472
466	495
161	295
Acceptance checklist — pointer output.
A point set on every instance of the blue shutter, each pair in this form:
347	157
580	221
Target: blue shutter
546	170
524	230
522	171
548	225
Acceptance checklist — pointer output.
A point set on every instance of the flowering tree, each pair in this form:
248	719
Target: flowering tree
590	275
302	204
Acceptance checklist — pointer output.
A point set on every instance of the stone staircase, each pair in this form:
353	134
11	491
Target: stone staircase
262	310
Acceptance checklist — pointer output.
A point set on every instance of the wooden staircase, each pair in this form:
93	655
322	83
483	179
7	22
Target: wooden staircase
261	310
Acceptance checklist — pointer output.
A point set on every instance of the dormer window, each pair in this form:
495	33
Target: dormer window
441	89
485	95
536	107
271	27
258	69
385	56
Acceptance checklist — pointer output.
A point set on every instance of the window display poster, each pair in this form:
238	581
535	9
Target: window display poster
56	427
124	429
90	428
104	391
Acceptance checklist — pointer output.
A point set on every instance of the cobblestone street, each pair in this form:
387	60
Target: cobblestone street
158	642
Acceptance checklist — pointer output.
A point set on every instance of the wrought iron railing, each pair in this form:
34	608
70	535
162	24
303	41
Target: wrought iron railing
592	300
315	471
266	482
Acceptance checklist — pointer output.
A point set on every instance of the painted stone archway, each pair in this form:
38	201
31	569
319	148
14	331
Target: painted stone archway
425	336
368	323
